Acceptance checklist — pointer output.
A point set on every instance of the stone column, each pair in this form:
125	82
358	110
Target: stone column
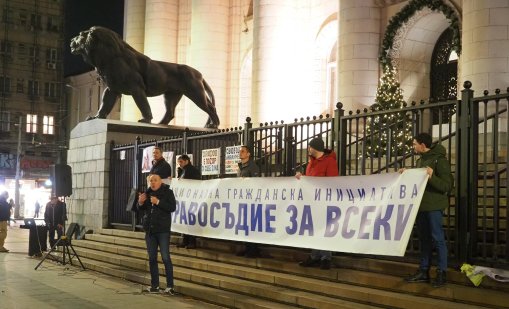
275	82
134	34
209	54
484	58
359	41
485	41
161	25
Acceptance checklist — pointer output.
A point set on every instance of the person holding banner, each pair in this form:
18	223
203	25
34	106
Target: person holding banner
187	170
160	166
322	163
248	168
434	201
157	204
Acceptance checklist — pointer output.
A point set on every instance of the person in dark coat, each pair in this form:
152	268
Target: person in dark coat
160	166
37	209
5	215
248	168
187	170
54	217
157	204
434	201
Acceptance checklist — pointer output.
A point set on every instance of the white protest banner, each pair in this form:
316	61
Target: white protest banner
231	159
371	214
210	161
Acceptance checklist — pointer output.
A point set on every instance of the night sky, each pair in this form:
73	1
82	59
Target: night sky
83	14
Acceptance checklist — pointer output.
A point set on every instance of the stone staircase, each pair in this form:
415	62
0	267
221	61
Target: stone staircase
213	273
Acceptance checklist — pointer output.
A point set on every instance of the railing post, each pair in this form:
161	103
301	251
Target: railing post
136	176
184	146
247	138
290	159
465	180
111	185
339	136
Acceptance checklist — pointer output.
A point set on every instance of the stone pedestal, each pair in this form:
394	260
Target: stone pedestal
89	158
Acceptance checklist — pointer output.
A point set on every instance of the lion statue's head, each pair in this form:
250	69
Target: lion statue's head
97	45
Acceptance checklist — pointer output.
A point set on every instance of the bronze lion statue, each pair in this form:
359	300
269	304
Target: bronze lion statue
127	71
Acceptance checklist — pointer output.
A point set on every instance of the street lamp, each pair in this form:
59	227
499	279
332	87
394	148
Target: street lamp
18	169
78	116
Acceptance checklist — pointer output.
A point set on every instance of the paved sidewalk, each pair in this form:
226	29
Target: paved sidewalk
53	285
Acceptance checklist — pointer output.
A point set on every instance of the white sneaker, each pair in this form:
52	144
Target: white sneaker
151	289
169	291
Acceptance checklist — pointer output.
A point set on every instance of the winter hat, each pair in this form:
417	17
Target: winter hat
317	144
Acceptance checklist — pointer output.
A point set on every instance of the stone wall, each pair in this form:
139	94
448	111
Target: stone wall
89	158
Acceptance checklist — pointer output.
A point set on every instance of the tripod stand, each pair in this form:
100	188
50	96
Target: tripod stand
65	242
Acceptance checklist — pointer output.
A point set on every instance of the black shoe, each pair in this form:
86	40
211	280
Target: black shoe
440	280
310	262
325	264
422	275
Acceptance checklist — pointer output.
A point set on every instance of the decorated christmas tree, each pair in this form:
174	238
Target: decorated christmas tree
394	127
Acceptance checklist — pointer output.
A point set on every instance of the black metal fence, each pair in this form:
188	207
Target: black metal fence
473	130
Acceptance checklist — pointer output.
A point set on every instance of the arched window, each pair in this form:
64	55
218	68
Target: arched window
325	76
331	95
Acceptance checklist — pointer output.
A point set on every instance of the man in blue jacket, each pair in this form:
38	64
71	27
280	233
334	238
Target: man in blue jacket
157	204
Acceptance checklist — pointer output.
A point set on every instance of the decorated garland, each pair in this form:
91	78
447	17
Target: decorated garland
406	13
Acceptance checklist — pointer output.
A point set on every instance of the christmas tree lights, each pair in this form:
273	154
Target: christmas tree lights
392	129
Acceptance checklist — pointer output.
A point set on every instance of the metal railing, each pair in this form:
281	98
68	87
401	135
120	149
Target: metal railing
473	131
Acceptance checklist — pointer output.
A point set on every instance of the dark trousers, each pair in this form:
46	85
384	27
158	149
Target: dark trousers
429	226
51	234
153	241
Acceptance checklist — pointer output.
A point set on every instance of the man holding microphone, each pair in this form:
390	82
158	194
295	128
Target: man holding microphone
157	204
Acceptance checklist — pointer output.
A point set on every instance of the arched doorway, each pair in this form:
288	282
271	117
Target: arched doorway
443	73
444	69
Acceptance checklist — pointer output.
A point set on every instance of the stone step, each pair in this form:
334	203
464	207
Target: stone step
268	294
285	256
268	272
208	294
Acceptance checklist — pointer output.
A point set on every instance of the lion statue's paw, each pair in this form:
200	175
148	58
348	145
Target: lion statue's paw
211	126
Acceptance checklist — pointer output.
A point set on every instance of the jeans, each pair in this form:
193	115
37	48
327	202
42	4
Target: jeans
429	226
161	240
51	234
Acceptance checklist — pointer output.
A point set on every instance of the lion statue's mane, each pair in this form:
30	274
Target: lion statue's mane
127	71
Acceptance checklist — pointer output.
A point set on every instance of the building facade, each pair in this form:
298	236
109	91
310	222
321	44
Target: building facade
32	105
281	60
